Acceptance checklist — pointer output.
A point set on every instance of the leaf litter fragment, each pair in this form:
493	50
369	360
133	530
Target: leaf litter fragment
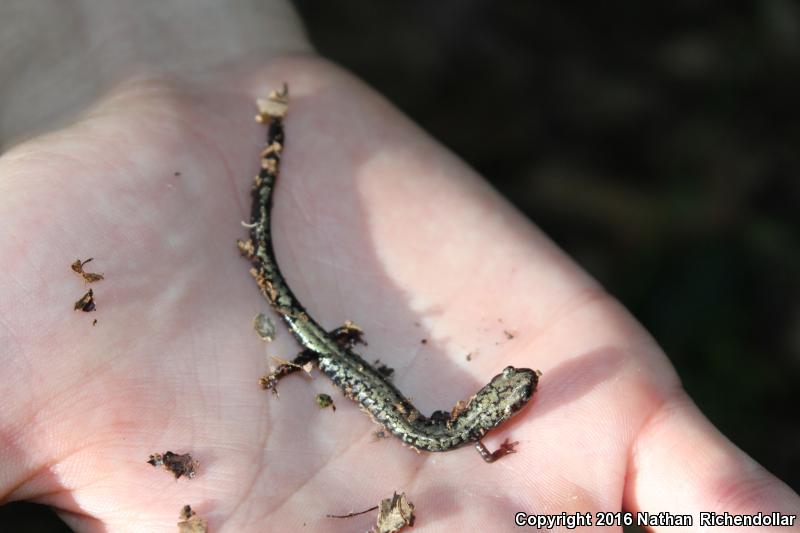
178	464
190	522
264	327
324	400
393	514
274	106
89	277
86	303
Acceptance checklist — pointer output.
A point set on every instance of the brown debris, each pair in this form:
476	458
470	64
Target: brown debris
89	277
264	284
267	382
307	367
351	514
352	326
273	106
190	522
178	464
324	400
383	369
458	408
270	381
509	334
77	266
394	514
86	303
246	248
264	327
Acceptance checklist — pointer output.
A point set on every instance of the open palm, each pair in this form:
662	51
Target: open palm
375	223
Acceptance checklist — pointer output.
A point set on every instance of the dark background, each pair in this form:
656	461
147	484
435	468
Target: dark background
656	143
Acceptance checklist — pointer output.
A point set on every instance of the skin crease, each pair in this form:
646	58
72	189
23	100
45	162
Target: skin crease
373	222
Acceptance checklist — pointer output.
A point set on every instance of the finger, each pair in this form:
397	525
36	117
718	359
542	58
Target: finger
681	463
64	74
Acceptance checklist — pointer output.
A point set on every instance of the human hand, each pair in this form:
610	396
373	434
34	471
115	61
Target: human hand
373	222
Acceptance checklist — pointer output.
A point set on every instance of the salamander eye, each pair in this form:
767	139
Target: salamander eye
509	371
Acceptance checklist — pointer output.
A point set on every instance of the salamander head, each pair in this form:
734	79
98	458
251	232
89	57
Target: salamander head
507	393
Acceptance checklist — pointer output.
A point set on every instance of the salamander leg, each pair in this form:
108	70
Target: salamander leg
490	457
348	335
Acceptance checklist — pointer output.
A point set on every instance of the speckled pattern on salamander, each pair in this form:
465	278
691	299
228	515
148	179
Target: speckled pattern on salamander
332	352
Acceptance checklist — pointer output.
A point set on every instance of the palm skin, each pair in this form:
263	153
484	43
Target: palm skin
373	222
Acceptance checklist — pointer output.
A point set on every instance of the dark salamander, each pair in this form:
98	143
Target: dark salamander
502	398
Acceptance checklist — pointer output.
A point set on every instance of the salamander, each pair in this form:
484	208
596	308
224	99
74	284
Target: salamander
333	352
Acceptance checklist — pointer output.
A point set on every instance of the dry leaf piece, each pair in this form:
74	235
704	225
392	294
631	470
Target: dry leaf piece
352	326
246	248
274	106
264	327
86	303
77	266
459	407
178	464
394	514
384	369
324	400
89	277
190	522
